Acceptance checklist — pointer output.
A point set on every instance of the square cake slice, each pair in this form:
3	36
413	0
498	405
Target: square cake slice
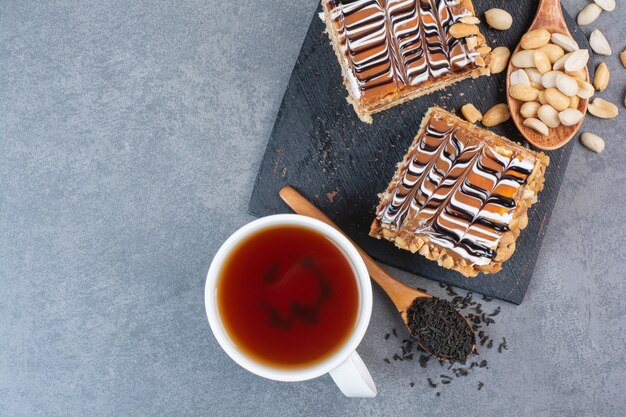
460	195
392	51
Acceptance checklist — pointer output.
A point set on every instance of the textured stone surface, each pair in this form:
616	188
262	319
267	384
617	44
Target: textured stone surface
119	125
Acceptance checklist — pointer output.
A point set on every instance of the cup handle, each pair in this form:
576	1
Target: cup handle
353	378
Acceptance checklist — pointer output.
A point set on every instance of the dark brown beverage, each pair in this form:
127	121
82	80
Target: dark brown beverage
288	297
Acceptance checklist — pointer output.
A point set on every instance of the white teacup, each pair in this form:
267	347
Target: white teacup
346	366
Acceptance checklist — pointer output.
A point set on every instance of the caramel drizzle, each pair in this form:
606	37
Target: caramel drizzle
392	45
458	191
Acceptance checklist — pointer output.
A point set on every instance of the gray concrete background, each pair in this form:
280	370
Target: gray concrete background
130	135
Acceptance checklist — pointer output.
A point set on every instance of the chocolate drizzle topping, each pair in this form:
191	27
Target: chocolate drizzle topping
457	190
394	45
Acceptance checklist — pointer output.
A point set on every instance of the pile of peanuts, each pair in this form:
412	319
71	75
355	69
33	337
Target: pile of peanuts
551	80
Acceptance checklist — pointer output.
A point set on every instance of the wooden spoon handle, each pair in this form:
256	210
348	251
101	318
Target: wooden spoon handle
401	294
550	14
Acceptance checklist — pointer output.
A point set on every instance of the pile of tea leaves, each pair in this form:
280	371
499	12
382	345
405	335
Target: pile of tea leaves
454	342
439	329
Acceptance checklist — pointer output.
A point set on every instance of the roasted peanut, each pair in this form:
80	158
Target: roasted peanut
496	115
471	113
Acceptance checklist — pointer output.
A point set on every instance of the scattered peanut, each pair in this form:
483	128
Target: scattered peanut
537	86
549	116
462	30
496	115
471	42
579	75
548	79
519	77
559	65
577	61
524	92
535	39
588	14
601	77
585	90
541	97
603	109
537	125
552	51
499	59
534	75
470	20
592	142
599	44
608	5
483	50
498	19
480	38
556	99
542	63
471	113
566	85
523	59
529	109
569	117
622	57
568	44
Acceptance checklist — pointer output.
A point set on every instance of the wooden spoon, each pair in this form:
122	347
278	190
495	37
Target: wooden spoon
550	17
401	294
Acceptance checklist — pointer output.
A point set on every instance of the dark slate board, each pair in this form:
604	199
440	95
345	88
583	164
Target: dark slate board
320	147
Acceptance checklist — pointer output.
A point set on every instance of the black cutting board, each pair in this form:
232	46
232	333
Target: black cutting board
320	147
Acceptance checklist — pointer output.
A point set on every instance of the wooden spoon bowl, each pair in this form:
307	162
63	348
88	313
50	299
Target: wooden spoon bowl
550	17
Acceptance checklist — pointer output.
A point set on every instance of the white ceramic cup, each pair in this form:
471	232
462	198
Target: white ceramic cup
346	366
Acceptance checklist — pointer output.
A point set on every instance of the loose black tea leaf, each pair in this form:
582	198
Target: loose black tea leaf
480	385
495	312
438	327
502	345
